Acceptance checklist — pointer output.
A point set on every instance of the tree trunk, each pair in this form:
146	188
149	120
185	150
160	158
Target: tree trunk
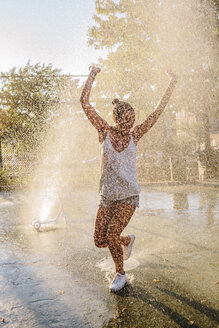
207	142
1	159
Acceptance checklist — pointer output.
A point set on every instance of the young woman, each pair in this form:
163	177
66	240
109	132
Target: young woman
119	189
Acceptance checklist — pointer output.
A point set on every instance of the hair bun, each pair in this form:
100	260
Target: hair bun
115	101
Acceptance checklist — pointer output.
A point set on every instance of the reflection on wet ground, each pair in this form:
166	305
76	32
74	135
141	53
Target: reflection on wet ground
59	279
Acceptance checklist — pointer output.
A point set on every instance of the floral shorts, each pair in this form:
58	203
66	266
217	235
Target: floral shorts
105	202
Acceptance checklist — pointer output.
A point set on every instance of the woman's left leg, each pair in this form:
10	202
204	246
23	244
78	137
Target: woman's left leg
121	217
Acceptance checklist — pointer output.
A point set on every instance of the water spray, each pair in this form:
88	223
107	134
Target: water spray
50	223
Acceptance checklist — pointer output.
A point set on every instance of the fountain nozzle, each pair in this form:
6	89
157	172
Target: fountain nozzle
37	223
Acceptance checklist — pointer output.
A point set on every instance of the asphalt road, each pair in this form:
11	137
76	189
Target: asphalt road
58	278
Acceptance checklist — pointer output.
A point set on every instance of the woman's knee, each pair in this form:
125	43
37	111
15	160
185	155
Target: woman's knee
100	242
101	225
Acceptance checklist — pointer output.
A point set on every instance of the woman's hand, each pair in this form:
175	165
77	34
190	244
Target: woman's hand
94	69
171	74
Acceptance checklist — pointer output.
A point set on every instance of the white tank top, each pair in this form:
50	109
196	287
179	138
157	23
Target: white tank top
118	171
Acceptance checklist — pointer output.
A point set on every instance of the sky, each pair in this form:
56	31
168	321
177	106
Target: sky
47	31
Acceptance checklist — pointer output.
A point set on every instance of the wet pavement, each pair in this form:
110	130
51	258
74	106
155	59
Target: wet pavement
59	278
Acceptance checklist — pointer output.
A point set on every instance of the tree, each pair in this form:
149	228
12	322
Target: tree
27	94
29	99
146	37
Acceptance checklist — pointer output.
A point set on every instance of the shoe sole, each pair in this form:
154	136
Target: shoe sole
117	290
130	245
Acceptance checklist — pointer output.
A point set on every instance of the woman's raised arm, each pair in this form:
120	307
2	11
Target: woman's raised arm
141	129
98	122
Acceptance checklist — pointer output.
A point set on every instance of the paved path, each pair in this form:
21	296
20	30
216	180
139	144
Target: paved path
59	279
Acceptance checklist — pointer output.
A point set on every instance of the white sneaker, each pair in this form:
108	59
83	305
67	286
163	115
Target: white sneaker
118	282
128	249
